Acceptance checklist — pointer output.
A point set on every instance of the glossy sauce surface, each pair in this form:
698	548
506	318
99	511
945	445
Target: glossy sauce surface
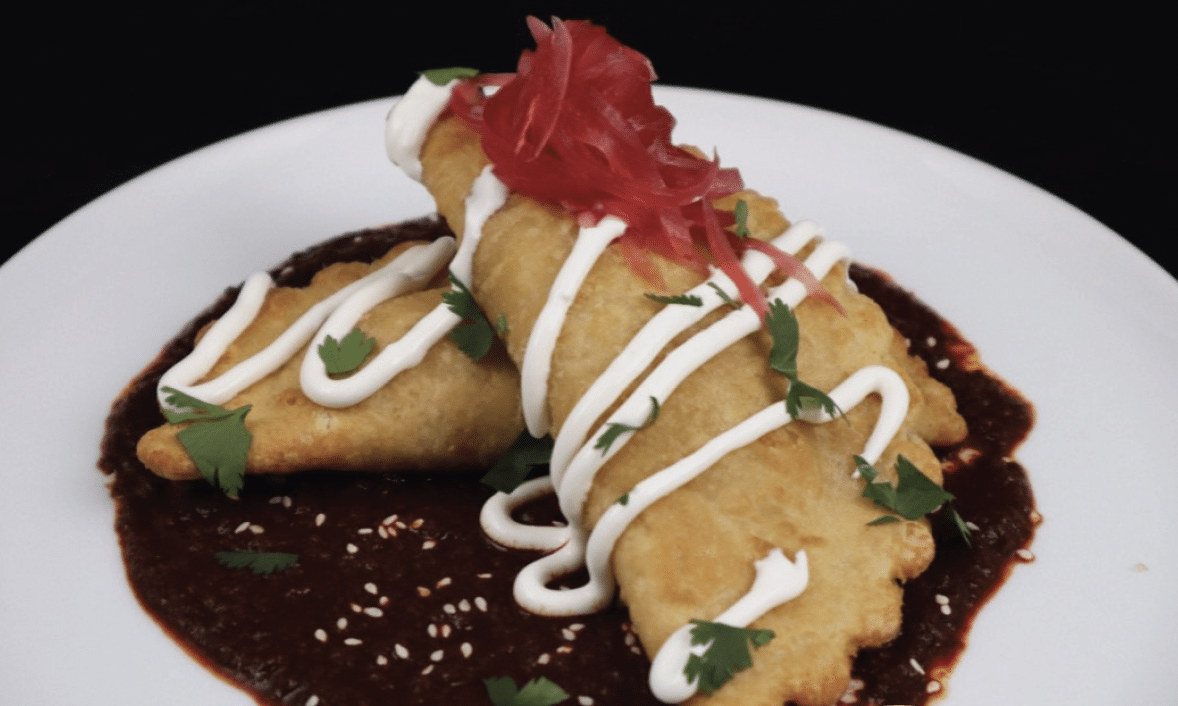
398	597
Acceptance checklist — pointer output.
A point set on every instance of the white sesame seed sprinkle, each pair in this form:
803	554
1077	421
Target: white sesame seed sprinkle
382	660
437	655
423	591
585	700
480	603
1025	554
973	527
568	634
313	701
370	587
941	599
389	520
635	650
450	609
276	499
543	659
417	523
401	651
342	624
364	530
943	364
629	639
442	583
432	630
946	610
352	548
577	627
930	341
286	501
383	600
933	687
384	533
353	641
429	544
400	525
466	649
484	576
356	608
564	649
321	635
373	612
916	665
446	630
241	528
320	519
257	529
427	670
464	605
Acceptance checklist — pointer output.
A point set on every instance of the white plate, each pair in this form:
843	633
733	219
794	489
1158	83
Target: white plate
1064	309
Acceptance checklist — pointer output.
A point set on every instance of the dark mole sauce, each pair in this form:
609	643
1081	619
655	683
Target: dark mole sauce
397	597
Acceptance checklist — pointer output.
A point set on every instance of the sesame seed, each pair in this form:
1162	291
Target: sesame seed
389	520
422	591
933	687
370	587
443	582
436	655
417	523
629	639
352	642
543	659
1025	554
313	701
286	501
382	660
466	649
930	341
401	651
484	576
352	548
635	650
364	530
480	603
450	609
585	700
568	634
342	623
1036	517
432	630
400	525
241	528
319	519
373	612
564	649
355	607
383	600
429	544
942	599
256	529
943	364
427	670
321	635
972	526
384	533
916	666
276	499
577	627
446	630
946	610
464	605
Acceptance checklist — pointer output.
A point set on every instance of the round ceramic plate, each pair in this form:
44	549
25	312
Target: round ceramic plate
1057	304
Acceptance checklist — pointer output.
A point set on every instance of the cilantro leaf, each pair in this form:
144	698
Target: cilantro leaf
440	77
914	495
802	396
624	498
686	299
783	327
346	354
616	429
501	326
218	447
474	335
197	409
727	653
741	213
724	296
513	467
538	692
261	563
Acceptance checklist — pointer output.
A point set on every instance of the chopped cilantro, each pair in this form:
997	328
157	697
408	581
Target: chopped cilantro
615	429
346	354
685	299
741	214
217	441
261	563
501	326
474	335
440	77
727	653
513	467
724	296
783	357
538	692
624	499
914	495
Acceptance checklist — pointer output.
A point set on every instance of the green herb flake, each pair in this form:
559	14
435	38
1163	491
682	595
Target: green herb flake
685	299
514	466
912	497
741	214
440	77
474	335
538	692
724	296
727	653
261	563
217	440
501	326
615	429
345	355
624	499
783	358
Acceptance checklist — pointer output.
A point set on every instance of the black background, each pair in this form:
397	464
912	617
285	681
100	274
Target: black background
1076	102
